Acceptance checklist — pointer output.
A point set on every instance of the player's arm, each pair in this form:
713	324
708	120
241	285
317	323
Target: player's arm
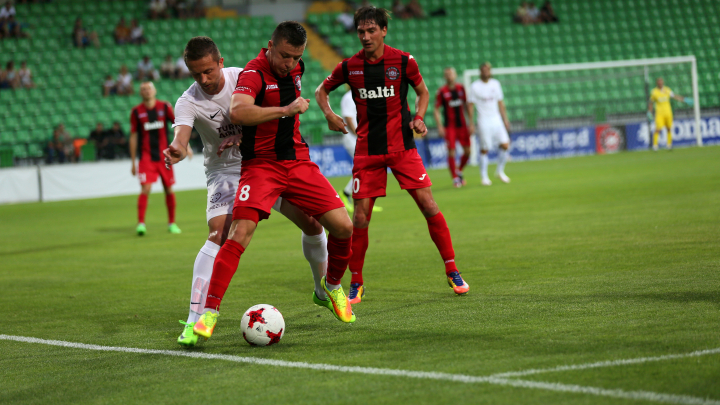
243	110
470	109
350	123
178	149
133	150
436	114
503	114
421	105
335	122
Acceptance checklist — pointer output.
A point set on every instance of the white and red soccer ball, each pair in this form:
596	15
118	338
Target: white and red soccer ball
262	325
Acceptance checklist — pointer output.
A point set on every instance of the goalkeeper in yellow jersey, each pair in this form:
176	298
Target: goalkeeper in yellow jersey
660	98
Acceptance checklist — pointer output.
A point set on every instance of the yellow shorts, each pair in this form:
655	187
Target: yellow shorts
663	120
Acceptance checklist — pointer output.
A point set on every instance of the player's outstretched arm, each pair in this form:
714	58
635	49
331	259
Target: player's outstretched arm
335	122
243	110
178	149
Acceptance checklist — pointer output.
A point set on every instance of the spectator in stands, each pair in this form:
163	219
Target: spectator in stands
124	84
521	14
346	19
146	70
99	138
181	69
177	8
117	138
122	32
533	13
167	68
198	9
137	35
414	9
9	78
7	18
158	9
25	75
547	13
399	10
60	146
109	86
82	37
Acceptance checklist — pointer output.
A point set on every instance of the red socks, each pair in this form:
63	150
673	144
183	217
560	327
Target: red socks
170	202
359	247
339	252
440	234
142	207
226	263
451	166
463	161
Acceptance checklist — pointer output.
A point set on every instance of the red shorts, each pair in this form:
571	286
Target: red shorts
148	172
461	135
370	173
298	181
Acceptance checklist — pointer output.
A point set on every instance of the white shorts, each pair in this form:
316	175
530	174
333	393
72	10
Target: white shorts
492	133
221	194
349	141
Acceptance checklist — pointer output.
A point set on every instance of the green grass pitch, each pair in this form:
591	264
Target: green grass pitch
578	260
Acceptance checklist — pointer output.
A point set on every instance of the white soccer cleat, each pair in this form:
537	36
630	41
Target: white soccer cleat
503	177
486	182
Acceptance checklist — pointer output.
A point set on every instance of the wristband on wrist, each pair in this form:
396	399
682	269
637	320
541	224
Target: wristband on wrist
417	117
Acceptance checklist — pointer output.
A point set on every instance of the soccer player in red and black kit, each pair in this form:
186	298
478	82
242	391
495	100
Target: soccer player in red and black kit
276	163
451	97
379	77
148	138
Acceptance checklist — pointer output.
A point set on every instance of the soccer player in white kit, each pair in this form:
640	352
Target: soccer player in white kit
493	125
205	106
349	114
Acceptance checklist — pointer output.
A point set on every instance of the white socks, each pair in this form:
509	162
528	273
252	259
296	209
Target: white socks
315	250
202	271
348	189
502	159
331	287
483	166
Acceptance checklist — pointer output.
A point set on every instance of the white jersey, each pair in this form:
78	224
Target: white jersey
210	115
486	96
347	107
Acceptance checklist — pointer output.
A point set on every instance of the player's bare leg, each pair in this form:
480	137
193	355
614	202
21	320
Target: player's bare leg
451	166
361	222
502	160
440	234
170	203
340	228
314	245
142	207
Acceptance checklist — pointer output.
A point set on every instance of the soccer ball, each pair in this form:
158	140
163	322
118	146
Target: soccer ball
262	325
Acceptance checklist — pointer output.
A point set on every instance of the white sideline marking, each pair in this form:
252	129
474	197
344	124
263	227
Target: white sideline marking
494	379
609	363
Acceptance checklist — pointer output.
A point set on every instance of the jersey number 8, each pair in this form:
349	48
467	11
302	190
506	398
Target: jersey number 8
244	193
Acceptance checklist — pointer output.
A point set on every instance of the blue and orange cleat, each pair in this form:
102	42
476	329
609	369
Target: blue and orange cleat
340	307
357	292
457	283
206	324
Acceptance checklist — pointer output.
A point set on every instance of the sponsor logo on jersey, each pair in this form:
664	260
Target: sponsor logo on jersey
355	72
229	130
243	88
142	115
378	92
271	87
214	198
161	113
392	73
455	103
149	126
297	82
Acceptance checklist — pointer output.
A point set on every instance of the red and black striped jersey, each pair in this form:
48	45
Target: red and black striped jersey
453	102
379	89
278	139
151	126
